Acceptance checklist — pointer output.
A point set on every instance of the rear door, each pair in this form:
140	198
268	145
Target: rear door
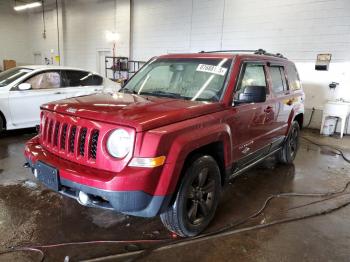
251	123
79	83
25	105
283	99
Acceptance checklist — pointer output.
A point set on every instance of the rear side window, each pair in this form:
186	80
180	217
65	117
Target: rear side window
81	78
293	78
279	83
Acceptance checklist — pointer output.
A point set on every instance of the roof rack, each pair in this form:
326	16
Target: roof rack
256	52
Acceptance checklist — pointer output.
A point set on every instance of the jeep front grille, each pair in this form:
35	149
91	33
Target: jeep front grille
74	140
55	137
82	141
63	137
93	145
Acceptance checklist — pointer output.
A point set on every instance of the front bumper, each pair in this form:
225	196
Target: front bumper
122	192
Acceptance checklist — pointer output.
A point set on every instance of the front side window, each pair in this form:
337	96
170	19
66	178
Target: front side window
47	80
74	78
195	79
9	76
278	79
252	75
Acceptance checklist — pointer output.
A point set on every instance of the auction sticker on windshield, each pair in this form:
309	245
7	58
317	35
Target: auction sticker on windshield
212	69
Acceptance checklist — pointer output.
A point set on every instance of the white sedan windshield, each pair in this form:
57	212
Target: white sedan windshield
8	76
200	79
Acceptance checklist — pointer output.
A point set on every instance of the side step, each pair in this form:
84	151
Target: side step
239	172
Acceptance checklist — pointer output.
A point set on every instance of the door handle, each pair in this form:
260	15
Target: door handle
58	93
268	109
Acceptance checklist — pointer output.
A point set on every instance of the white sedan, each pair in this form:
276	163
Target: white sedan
24	89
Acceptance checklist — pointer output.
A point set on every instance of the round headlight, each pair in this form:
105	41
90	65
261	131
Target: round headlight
119	143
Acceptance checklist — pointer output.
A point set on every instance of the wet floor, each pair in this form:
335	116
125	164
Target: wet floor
31	215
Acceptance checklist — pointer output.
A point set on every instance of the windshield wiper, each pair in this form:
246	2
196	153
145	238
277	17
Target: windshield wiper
127	90
162	93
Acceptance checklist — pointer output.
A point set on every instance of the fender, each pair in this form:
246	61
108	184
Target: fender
297	110
187	142
290	121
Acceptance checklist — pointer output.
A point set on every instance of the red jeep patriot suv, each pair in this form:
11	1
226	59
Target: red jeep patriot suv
168	141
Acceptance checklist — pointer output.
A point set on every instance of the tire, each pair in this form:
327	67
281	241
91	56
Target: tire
197	198
290	147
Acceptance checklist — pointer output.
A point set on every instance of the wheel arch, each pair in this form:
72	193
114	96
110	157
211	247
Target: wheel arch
214	149
3	118
300	119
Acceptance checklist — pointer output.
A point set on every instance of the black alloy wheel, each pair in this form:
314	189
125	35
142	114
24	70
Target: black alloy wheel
290	147
197	198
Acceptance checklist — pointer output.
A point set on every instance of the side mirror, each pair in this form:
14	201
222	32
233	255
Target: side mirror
253	94
24	86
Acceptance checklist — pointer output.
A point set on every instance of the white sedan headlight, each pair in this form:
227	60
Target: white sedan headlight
119	143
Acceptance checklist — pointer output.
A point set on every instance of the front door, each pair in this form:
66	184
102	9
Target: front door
251	122
25	105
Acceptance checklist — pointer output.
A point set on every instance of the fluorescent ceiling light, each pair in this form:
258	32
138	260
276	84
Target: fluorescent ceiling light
27	6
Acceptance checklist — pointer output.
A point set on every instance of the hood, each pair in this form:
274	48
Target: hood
140	112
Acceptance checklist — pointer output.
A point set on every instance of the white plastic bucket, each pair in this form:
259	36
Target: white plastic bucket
329	126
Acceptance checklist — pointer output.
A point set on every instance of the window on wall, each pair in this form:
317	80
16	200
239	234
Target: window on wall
252	75
278	79
47	80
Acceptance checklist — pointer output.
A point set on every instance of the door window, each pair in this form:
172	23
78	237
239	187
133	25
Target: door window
75	78
279	83
253	75
293	78
47	80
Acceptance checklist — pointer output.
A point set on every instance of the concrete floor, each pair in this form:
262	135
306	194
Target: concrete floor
31	215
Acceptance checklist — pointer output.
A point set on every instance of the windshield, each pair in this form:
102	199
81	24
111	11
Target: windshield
8	76
192	79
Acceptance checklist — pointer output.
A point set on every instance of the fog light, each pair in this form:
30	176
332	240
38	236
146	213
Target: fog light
83	198
36	173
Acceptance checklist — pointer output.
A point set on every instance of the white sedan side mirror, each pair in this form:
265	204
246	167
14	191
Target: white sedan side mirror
24	86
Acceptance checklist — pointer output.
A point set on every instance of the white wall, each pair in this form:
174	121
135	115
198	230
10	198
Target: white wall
44	47
13	35
299	29
160	27
82	25
85	26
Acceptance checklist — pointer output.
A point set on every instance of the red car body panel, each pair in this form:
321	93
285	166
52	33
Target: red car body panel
139	112
162	127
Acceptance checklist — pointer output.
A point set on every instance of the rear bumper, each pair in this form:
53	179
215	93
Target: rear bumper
105	190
